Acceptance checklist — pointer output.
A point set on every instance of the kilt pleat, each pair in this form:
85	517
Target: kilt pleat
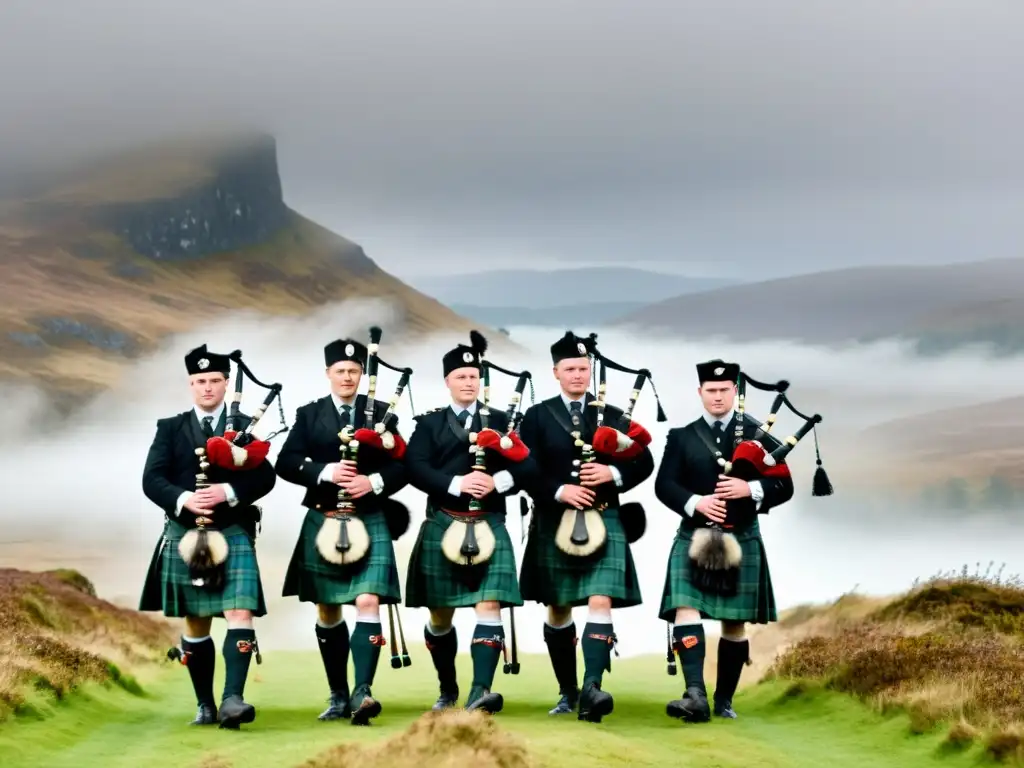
169	589
314	580
551	577
754	601
433	581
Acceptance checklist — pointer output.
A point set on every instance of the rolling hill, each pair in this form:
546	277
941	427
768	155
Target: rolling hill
937	307
559	297
97	265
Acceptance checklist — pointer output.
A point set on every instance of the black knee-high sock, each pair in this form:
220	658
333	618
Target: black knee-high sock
333	642
238	648
561	644
732	655
486	648
202	658
442	651
597	651
366	642
689	644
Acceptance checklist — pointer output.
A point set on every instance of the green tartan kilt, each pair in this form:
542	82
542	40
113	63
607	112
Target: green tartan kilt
434	581
551	577
754	601
314	580
169	589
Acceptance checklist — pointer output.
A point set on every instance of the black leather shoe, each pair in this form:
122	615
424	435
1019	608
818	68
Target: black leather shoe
446	700
594	703
724	709
234	711
692	708
484	700
339	708
205	715
567	704
364	707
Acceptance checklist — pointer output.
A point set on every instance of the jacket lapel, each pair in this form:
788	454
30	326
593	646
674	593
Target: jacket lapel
456	428
328	420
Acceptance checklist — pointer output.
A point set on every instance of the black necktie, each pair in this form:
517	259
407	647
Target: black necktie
208	426
462	416
576	409
346	415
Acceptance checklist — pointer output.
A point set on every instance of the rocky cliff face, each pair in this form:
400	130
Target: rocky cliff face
241	206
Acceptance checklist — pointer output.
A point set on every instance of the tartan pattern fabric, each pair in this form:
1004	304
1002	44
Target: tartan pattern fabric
433	581
551	577
314	580
169	589
754	601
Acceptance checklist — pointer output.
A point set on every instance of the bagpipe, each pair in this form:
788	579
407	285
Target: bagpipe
204	548
469	540
582	532
343	538
715	552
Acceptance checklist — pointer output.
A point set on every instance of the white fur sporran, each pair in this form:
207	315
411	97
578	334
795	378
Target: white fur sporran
593	529
358	540
717	553
455	536
203	553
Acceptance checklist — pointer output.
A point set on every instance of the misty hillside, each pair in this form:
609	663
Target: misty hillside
938	307
969	445
598	289
568	316
98	265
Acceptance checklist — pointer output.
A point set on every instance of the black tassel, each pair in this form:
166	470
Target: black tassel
821	485
661	411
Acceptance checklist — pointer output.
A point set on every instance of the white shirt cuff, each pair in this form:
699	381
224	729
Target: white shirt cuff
455	487
185	496
503	481
616	475
327	474
376	483
229	493
558	493
691	505
756	493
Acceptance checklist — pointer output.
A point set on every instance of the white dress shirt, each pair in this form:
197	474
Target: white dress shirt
229	492
582	400
327	473
503	480
756	491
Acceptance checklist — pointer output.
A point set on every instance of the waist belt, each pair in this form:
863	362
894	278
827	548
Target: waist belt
463	514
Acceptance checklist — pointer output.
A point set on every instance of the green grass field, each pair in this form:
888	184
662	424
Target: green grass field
110	727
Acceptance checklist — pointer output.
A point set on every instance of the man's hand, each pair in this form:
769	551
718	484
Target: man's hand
343	472
208	498
713	508
577	496
357	486
593	473
196	507
731	488
477	484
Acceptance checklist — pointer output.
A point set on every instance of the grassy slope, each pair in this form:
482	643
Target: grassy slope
775	729
56	262
887	651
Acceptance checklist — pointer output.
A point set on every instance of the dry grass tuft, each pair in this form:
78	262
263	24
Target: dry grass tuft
58	635
451	739
950	650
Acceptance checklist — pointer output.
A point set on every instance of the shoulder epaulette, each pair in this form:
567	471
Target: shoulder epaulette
419	416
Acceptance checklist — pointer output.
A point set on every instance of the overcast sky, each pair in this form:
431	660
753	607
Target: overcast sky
736	138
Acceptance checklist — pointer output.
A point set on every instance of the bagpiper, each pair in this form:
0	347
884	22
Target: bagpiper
578	550
207	481
468	461
721	472
344	554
